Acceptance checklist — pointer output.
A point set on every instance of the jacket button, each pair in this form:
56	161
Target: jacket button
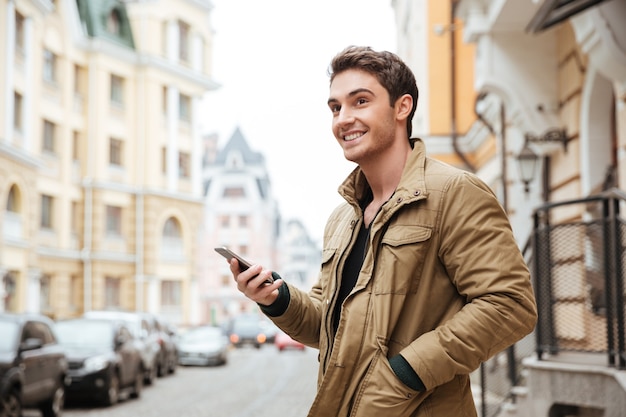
417	192
399	200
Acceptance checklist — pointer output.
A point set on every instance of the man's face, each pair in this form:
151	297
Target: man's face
363	120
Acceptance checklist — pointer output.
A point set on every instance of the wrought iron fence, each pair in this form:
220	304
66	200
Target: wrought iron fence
577	259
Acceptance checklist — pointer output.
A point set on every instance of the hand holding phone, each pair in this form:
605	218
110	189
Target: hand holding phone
243	264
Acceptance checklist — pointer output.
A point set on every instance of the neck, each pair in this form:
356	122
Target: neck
384	174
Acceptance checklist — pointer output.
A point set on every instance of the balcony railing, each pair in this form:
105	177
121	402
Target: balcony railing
577	260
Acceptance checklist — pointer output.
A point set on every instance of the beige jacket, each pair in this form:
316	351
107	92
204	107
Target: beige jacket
443	283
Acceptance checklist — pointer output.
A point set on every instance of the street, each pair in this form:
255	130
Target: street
254	383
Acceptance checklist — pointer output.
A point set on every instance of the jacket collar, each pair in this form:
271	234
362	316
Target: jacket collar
412	184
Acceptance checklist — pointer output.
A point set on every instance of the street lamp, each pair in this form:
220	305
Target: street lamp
527	162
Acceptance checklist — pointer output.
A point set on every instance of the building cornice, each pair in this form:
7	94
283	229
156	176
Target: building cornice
19	156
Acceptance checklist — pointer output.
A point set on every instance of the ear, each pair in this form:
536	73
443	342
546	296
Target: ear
403	107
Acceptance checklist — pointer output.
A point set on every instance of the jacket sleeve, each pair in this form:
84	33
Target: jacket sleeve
301	318
479	253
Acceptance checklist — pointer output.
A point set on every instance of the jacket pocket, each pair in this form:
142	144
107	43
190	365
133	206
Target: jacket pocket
382	394
401	259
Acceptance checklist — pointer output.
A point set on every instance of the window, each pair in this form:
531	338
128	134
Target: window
227	280
75	291
164	99
10	281
113	22
233	192
171	293
171	229
225	220
183	165
45	283
75	220
243	221
115	152
47	207
117	90
114	220
111	292
184	108
13	202
76	145
17	111
48	136
79	81
183	41
172	245
164	160
19	32
49	66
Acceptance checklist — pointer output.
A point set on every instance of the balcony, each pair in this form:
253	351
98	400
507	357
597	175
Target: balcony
576	357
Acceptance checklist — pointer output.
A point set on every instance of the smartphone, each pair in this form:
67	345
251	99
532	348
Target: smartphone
243	264
229	254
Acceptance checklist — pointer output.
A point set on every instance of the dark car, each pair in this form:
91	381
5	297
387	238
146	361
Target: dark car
32	366
203	346
247	330
103	360
168	355
146	338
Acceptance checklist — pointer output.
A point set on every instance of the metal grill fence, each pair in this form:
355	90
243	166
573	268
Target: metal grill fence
578	271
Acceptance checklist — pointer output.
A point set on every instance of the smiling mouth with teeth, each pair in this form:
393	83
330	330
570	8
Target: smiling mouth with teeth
353	136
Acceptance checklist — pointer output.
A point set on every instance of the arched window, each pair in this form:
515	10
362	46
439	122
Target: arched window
113	22
171	229
13	217
13	202
172	247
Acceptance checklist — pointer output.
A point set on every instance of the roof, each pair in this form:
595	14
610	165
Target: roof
238	143
106	19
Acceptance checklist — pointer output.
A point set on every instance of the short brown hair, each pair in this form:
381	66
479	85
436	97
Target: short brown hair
390	71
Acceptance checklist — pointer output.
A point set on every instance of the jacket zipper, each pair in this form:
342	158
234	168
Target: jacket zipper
331	302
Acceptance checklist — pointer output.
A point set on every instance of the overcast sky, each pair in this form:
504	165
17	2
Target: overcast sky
271	59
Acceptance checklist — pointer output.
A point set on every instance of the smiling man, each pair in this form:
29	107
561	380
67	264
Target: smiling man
421	278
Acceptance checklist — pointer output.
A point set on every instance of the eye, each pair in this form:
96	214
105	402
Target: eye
361	101
335	108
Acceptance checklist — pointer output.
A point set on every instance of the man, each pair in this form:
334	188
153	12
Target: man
421	278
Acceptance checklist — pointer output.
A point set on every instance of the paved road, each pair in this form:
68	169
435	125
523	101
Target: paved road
254	383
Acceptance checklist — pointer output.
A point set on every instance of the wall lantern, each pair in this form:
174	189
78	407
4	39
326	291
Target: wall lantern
527	163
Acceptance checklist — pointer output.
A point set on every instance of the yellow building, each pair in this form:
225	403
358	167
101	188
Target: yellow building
548	134
430	41
100	154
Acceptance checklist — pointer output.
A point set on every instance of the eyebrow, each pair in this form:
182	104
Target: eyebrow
352	94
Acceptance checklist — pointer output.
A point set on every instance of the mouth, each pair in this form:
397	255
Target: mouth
353	136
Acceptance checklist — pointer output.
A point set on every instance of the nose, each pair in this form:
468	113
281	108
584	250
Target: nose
344	117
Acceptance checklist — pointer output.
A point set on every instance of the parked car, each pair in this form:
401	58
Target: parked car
33	366
103	358
145	336
246	330
269	330
204	345
284	341
168	354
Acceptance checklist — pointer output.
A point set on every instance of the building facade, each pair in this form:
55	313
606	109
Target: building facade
100	154
242	214
548	133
